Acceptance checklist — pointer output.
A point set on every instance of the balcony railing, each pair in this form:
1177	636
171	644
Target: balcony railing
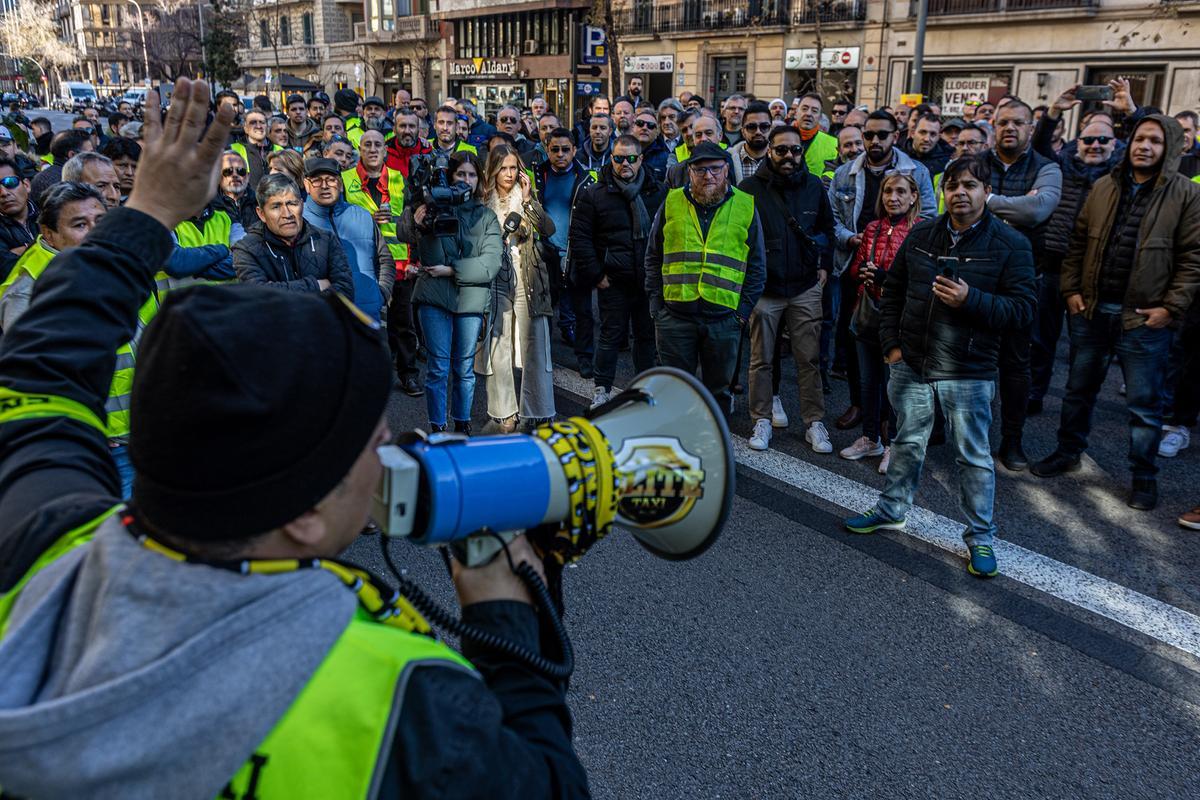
805	12
945	8
648	17
415	28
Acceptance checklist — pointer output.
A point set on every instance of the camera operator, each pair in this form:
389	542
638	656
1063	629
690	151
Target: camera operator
201	624
453	291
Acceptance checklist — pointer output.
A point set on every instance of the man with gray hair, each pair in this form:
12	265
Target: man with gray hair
98	171
731	117
669	111
508	120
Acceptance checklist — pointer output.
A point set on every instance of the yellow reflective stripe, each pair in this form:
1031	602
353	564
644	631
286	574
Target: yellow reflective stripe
16	406
357	195
33	262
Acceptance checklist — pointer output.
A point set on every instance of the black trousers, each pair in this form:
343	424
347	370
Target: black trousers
585	321
623	305
402	330
1015	381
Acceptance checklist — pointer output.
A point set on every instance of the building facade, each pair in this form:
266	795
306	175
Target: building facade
309	40
108	38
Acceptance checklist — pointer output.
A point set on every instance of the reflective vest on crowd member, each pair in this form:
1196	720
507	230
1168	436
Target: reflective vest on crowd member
353	180
683	152
240	149
354	731
712	268
937	191
354	129
33	263
820	148
216	226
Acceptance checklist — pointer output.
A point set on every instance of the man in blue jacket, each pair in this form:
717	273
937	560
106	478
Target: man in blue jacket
371	264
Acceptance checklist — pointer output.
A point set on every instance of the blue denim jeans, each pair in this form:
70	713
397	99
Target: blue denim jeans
968	408
1143	353
450	340
120	457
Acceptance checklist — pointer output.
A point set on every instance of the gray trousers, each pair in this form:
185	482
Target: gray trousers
802	315
519	341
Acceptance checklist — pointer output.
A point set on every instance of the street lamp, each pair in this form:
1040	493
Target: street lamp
142	28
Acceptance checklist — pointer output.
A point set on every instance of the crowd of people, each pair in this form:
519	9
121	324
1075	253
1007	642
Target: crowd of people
931	262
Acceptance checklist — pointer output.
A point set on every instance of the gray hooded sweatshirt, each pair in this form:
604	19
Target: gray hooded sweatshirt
128	675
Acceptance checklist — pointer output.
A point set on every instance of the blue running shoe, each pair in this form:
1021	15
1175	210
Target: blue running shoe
873	521
982	563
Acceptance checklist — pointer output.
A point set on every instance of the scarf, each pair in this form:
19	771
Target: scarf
808	135
632	192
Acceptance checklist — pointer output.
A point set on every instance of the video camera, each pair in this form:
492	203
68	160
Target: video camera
430	175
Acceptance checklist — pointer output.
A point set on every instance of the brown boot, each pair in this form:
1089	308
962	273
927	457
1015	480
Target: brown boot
851	419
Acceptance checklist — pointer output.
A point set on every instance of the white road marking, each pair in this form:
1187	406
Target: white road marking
1154	618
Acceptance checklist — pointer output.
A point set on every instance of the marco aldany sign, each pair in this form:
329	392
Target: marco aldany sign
477	67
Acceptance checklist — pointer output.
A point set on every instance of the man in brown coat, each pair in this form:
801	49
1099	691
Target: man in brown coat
1131	274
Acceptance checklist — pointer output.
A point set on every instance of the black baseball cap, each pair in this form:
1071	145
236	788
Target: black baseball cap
321	166
955	122
708	151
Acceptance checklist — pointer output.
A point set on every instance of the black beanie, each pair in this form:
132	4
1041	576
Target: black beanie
345	100
250	405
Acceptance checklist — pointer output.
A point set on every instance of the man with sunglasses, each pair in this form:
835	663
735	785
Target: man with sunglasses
609	229
797	224
557	182
1131	274
837	115
751	150
18	216
654	153
257	147
1026	187
508	120
705	270
236	191
1093	155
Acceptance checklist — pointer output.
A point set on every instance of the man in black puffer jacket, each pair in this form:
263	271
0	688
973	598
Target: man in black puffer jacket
960	284
1093	156
609	228
285	251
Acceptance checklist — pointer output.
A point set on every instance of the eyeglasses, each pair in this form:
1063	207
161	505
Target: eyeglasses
507	120
561	149
715	171
646	123
10	182
968	144
324	179
783	150
255	123
756	126
632	158
837	113
871	136
1090	140
228	171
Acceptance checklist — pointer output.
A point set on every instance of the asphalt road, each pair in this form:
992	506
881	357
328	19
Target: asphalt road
793	660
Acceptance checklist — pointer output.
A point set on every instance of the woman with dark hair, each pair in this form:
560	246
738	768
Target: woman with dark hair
897	210
453	291
519	326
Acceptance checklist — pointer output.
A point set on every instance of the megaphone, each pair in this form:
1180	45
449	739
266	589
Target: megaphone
664	441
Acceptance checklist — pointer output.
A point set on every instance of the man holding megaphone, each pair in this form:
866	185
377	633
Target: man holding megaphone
203	641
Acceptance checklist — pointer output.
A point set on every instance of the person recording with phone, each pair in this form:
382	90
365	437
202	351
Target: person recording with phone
453	293
959	284
207	621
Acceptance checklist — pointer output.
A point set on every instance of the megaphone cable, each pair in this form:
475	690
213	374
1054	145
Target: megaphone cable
437	615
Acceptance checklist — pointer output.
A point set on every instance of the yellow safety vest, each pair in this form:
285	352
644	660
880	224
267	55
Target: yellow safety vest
354	129
240	149
712	268
356	194
818	150
348	711
217	229
33	262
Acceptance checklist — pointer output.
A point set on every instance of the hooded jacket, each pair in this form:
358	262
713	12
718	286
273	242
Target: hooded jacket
371	265
262	257
1166	264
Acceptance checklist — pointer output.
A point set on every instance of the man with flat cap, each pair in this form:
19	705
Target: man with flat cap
705	270
202	641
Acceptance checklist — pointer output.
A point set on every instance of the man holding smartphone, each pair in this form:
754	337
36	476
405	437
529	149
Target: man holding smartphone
960	284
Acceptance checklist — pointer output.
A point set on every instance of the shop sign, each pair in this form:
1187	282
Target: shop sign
587	88
479	67
831	58
957	92
650	63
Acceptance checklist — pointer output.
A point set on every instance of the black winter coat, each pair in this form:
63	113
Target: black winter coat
792	259
602	232
262	257
943	343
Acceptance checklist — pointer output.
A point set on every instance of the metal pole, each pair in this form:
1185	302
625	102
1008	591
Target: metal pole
203	47
916	78
142	28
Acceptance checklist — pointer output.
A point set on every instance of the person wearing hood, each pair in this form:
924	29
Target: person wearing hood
797	224
609	228
345	105
751	149
206	625
1083	162
370	262
284	251
405	142
596	149
299	127
1130	275
925	145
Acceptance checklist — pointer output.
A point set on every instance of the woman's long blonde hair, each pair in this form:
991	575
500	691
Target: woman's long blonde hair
914	211
495	160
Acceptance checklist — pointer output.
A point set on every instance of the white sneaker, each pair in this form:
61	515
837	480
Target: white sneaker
818	437
887	459
779	417
761	438
862	448
599	396
1175	438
